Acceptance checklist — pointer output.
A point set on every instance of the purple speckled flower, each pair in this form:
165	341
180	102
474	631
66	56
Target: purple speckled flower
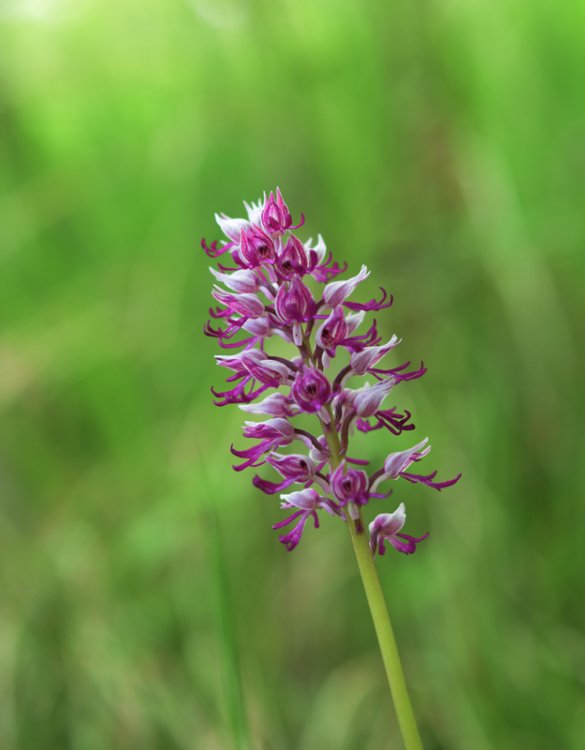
273	287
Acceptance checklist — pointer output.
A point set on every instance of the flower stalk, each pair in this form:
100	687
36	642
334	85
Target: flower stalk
386	640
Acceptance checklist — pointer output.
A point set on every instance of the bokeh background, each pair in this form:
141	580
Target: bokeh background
145	601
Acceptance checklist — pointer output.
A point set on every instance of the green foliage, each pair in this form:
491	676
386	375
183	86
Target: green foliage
146	603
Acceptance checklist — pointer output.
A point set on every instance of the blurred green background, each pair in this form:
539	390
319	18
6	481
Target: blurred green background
145	601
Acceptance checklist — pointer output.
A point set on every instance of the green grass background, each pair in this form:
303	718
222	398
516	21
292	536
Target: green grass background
145	601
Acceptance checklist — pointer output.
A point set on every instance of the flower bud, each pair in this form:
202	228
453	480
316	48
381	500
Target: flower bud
276	216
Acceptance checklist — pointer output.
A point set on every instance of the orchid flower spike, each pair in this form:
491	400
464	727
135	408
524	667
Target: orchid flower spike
270	283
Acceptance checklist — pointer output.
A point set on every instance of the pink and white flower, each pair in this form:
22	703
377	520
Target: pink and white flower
266	291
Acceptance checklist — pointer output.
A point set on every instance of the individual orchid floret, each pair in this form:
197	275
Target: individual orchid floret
274	405
247	305
294	468
242	280
396	465
308	502
337	292
233	362
274	433
275	215
386	527
351	488
272	372
367	400
255	363
238	393
361	361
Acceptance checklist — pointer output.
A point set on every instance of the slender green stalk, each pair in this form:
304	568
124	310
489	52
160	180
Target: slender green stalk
386	639
380	616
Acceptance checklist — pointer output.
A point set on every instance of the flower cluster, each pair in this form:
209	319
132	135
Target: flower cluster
271	284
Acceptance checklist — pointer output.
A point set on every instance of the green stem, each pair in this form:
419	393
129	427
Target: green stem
380	616
386	639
